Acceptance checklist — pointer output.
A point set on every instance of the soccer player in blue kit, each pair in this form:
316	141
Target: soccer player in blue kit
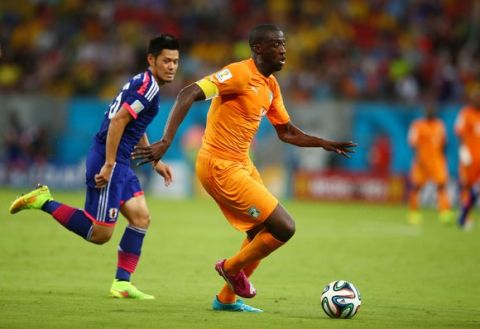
112	186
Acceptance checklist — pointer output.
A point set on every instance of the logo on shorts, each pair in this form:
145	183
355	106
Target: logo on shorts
253	212
112	213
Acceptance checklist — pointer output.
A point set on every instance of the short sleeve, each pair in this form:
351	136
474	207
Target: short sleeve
139	94
413	134
443	132
277	113
232	79
460	123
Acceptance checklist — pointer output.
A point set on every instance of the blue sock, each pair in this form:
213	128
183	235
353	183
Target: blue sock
129	252
467	207
72	218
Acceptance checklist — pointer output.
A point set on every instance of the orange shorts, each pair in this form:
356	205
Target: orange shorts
435	173
469	175
237	188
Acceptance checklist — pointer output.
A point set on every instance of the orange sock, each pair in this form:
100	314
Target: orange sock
443	202
464	195
413	200
260	247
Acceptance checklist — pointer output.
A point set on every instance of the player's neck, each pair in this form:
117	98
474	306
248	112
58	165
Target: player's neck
261	67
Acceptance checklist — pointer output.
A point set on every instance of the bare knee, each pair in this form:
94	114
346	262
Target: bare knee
101	235
140	221
280	224
288	230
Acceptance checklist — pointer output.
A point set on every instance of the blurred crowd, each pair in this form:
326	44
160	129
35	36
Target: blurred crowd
349	49
23	145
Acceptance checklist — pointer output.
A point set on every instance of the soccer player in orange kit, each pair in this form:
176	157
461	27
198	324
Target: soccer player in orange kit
467	128
242	93
427	137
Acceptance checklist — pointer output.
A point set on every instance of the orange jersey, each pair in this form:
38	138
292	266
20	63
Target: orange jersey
428	138
244	97
467	127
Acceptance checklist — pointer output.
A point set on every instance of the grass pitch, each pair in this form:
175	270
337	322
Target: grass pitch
410	277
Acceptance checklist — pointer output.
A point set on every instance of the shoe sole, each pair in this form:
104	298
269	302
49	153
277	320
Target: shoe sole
20	204
123	294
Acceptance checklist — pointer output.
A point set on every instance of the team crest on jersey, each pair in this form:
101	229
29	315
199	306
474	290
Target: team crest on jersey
223	75
112	213
253	212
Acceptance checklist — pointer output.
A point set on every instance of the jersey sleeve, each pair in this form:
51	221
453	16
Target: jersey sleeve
413	134
140	94
443	132
277	113
460	123
232	79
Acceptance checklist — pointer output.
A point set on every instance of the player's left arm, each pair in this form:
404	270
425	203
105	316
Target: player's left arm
159	166
443	134
291	134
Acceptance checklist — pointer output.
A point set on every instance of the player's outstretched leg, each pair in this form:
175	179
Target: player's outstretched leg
32	200
226	295
278	228
71	218
237	306
231	269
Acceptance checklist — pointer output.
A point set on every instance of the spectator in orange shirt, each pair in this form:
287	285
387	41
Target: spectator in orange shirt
467	128
243	93
427	137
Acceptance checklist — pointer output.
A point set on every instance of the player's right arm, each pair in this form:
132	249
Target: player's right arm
182	105
229	80
115	131
413	135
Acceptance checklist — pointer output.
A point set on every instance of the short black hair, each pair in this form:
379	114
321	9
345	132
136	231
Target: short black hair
260	33
163	41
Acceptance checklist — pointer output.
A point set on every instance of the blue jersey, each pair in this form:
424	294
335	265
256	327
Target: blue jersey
140	96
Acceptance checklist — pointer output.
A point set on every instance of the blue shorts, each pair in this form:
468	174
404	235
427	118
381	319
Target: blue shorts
103	205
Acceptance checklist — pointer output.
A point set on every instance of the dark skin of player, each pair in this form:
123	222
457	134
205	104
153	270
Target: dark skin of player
269	56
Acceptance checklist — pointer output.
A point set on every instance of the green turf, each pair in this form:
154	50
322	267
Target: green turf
409	277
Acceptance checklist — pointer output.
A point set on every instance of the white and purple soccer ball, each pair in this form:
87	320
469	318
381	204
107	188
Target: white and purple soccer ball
340	299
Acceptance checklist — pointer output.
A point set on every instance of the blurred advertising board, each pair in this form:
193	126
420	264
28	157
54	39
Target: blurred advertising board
341	185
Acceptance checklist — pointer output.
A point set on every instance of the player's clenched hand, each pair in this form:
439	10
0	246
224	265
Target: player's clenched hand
102	178
151	153
342	148
165	171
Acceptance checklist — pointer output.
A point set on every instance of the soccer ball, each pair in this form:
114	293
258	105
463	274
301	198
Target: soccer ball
340	299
